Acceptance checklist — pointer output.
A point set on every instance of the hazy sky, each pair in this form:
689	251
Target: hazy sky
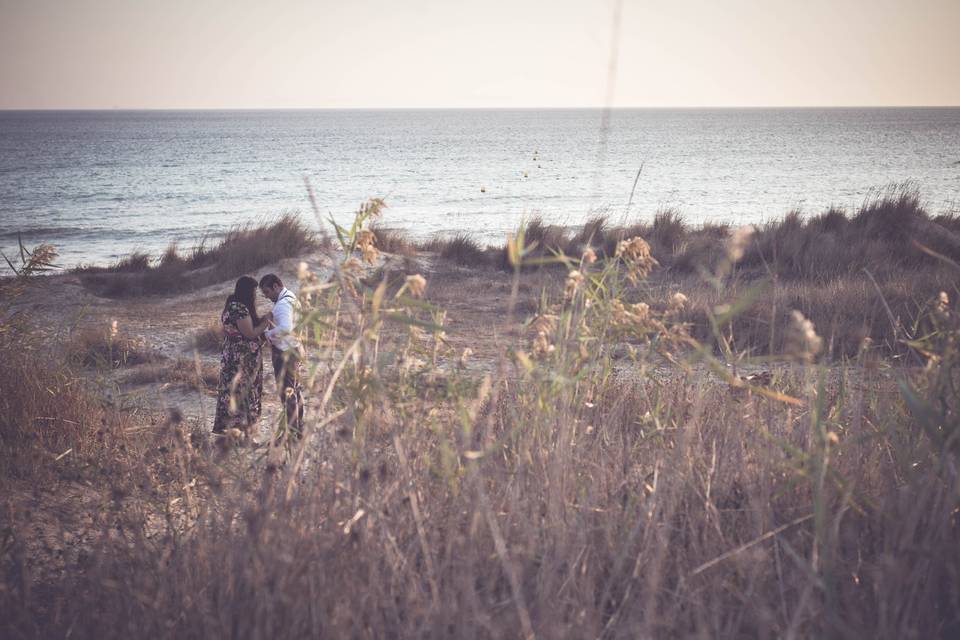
459	53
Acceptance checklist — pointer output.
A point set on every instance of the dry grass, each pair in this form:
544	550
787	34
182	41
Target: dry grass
461	249
880	236
855	276
558	495
181	372
243	250
107	348
52	423
394	241
209	339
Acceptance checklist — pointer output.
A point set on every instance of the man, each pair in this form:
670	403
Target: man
285	350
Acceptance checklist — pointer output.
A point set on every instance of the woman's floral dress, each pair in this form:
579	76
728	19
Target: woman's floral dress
241	374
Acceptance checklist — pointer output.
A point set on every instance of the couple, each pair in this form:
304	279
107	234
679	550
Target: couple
241	361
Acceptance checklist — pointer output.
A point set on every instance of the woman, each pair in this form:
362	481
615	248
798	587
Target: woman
241	364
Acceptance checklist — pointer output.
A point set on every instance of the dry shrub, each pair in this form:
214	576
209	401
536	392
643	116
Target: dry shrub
542	243
845	310
182	372
107	348
209	339
46	412
243	250
558	496
667	232
133	263
394	241
590	234
543	239
461	249
644	511
880	238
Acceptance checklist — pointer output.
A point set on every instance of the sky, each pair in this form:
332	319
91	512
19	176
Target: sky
209	54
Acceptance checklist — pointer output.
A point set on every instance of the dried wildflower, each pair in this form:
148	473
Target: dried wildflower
411	363
802	340
635	253
541	345
114	330
234	435
373	208
416	285
352	266
574	280
367	243
416	333
942	305
678	302
523	359
635	318
589	256
465	356
737	244
303	271
629	314
544	322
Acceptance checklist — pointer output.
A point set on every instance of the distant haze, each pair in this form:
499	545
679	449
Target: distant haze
131	54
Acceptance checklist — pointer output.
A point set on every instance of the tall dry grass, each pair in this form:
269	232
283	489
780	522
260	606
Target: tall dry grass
243	250
563	493
865	275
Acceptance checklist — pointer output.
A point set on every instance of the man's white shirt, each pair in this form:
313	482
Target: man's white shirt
281	335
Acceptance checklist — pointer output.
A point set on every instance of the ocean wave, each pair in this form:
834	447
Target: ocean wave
44	232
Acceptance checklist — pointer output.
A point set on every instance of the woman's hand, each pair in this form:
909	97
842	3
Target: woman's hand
265	322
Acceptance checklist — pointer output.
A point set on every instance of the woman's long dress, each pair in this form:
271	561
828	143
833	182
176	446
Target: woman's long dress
241	374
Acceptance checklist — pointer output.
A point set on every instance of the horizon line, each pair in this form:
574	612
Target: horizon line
490	108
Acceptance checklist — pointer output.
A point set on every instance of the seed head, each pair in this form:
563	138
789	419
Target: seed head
589	256
373	208
574	280
416	285
541	345
545	322
352	266
942	305
802	340
678	302
738	242
635	253
367	243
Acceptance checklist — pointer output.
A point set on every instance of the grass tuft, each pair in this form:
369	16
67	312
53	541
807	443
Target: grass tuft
243	250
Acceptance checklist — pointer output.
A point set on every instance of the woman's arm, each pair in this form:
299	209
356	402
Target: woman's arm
245	325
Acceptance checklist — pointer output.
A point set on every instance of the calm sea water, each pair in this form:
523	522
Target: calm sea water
100	184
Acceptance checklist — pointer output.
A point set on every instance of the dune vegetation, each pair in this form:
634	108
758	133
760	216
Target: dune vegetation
869	274
243	250
615	472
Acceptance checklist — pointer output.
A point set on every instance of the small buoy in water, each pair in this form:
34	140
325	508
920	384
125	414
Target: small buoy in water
483	189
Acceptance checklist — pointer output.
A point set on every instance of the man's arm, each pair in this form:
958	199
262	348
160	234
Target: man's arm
282	319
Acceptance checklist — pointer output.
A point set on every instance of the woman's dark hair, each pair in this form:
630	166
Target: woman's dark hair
245	292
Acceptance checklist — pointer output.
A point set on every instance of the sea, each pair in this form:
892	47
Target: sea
100	184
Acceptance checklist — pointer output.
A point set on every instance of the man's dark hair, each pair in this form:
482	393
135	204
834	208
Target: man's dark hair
269	280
